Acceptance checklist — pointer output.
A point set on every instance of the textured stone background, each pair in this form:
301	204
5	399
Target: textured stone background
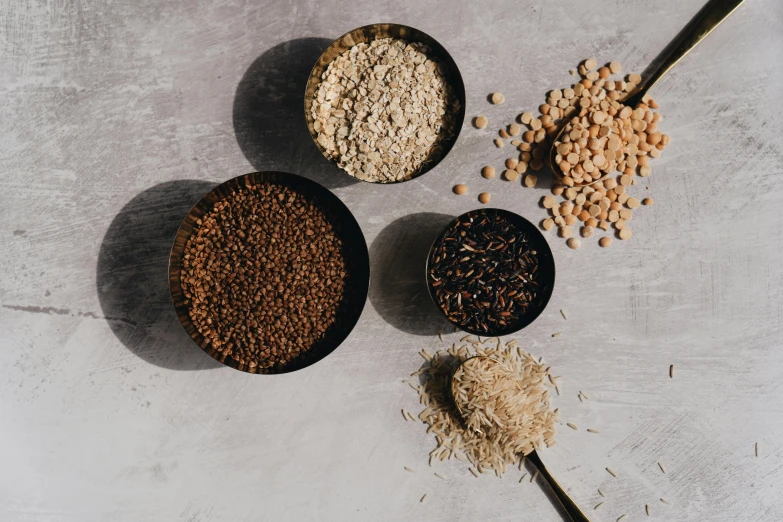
118	115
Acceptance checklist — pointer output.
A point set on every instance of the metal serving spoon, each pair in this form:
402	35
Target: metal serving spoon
569	506
707	19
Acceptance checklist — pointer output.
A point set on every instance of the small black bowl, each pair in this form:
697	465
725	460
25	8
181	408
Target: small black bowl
357	260
545	274
369	33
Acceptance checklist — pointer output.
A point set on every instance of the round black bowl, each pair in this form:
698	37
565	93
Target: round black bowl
368	33
357	260
545	274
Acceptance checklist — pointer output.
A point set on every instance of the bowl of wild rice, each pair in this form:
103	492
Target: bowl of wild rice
490	272
269	272
385	103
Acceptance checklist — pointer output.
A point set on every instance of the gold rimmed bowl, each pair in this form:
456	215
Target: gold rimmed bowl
355	253
372	32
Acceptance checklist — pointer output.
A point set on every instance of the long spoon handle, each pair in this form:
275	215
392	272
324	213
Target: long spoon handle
569	505
706	20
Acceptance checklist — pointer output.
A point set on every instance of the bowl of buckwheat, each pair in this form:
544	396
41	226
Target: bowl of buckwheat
385	103
269	272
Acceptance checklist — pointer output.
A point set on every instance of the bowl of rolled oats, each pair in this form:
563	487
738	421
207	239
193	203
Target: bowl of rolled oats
385	103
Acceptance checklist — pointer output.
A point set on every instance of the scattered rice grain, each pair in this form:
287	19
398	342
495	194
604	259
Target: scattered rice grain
660	465
611	472
423	498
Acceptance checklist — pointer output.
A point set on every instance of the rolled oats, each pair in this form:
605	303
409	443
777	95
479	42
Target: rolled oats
384	110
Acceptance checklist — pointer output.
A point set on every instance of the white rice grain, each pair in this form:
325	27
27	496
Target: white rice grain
494	398
611	472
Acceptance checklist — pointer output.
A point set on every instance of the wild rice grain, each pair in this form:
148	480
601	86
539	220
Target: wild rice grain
757	449
621	517
534	477
474	472
556	334
671	371
600	492
408	469
572	426
611	472
423	498
563	313
584	394
647	509
440	476
591	430
598	506
663	468
664	501
522	477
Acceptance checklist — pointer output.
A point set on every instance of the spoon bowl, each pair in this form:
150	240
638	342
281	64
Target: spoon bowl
569	506
706	20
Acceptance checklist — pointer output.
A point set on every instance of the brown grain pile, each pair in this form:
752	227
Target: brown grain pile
264	275
507	402
384	109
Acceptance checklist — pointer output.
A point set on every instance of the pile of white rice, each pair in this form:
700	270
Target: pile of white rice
503	398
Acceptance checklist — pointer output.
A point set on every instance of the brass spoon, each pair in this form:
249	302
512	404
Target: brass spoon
705	21
569	506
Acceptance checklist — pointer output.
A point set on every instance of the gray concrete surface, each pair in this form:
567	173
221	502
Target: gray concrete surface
117	115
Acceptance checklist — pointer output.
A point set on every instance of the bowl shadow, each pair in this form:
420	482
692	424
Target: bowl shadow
398	287
268	114
132	278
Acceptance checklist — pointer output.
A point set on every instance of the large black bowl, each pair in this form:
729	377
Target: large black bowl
357	261
546	270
